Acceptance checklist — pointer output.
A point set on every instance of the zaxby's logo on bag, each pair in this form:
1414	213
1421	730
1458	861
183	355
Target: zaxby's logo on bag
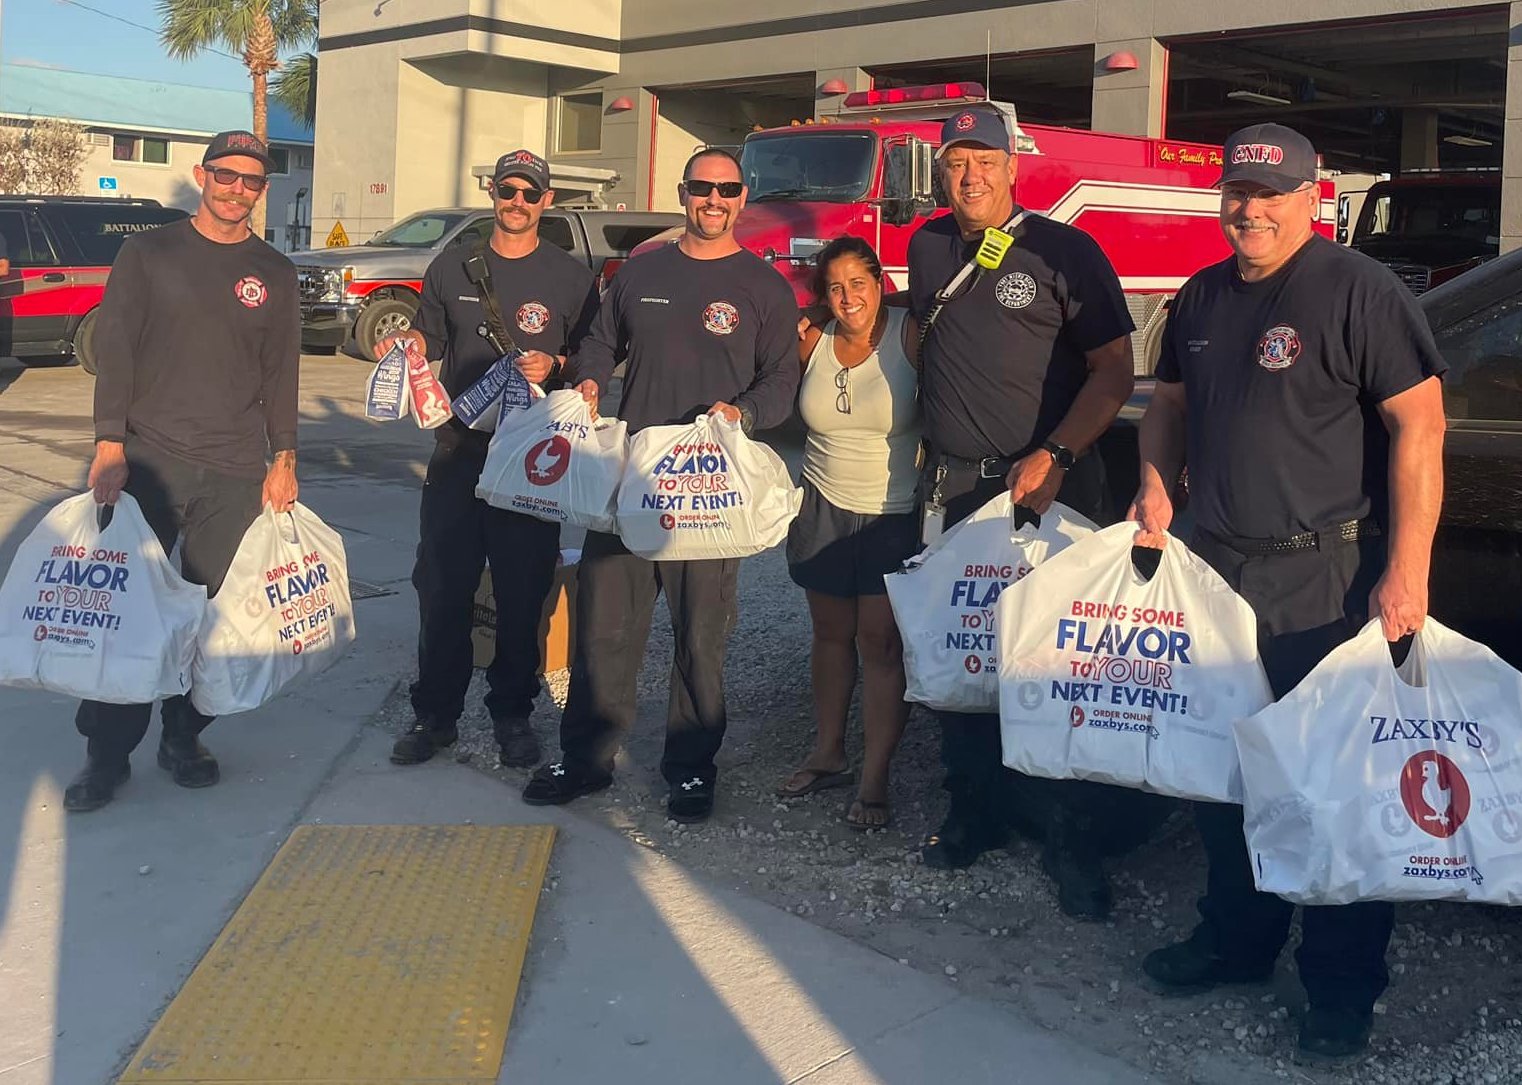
251	291
1076	716
1434	793
1279	347
533	317
721	318
546	461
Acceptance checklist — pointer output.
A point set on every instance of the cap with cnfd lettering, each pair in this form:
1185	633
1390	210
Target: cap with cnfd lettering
1271	155
227	144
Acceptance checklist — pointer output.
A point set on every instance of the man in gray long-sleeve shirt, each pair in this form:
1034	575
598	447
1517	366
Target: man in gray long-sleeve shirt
703	326
195	416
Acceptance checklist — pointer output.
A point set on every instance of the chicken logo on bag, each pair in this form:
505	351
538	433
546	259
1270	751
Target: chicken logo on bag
547	461
1076	717
1434	793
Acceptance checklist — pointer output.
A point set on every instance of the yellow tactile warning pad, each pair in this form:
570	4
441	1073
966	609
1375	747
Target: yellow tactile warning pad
365	955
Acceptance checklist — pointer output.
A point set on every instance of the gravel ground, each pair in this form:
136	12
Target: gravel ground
1452	1012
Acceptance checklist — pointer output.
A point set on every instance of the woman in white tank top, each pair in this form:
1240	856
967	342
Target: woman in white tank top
859	401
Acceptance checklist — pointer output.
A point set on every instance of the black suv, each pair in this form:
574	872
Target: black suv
61	249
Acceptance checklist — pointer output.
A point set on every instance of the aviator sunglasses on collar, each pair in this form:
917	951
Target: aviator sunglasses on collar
729	190
254	182
530	195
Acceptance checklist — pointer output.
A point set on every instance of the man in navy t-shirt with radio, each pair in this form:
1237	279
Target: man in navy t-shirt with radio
1299	383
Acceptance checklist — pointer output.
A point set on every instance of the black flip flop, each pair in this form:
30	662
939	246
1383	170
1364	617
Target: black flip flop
819	781
862	826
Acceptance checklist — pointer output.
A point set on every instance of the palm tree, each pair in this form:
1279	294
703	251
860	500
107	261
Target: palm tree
295	87
260	30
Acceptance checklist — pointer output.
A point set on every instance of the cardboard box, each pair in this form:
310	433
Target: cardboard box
557	629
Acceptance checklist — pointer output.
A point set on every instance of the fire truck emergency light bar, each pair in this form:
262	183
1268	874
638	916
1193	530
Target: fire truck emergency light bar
937	92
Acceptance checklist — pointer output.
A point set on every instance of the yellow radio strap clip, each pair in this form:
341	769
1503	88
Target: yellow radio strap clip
995	244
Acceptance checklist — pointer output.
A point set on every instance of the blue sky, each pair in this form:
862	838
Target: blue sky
62	34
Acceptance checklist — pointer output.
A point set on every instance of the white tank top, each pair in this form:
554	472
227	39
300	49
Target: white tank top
863	461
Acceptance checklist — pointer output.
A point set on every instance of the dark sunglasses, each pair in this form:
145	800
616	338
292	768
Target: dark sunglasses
530	195
254	182
728	189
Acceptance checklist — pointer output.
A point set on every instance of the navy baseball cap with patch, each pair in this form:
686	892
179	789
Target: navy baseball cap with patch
1270	155
981	127
227	144
525	164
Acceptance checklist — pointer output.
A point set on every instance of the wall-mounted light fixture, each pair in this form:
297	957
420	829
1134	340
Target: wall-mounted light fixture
831	87
1120	62
621	104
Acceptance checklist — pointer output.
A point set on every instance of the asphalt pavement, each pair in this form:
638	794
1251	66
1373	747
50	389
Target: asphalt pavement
638	970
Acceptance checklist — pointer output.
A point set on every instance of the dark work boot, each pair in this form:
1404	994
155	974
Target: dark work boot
1083	891
422	741
1334	1032
1193	965
517	744
190	763
562	781
96	783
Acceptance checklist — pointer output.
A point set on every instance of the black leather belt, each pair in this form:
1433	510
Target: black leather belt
1350	531
987	467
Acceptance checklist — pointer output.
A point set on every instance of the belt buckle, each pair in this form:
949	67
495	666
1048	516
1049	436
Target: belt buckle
983	467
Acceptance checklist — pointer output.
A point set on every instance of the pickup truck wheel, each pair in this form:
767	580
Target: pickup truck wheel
84	343
382	317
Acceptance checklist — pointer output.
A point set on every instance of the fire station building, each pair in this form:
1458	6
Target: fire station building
416	98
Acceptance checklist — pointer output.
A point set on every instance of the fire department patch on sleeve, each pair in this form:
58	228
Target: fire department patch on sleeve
721	318
251	291
533	317
1279	347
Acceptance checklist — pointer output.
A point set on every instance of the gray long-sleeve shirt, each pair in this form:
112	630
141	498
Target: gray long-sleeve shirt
199	348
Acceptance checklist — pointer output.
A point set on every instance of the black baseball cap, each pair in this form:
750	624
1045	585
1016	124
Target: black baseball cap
980	126
525	164
227	144
1270	155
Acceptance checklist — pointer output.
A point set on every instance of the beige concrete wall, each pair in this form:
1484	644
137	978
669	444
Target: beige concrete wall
689	120
1130	102
1511	167
358	149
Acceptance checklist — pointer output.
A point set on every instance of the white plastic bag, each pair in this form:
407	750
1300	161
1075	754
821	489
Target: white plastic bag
555	463
943	600
97	614
283	612
703	490
1104	675
1368	783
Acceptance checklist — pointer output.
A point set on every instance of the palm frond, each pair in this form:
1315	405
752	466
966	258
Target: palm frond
295	86
190	26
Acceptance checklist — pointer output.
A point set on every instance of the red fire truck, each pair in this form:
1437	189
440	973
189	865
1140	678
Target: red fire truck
1150	203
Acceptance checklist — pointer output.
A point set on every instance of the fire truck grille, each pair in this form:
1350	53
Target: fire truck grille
1416	277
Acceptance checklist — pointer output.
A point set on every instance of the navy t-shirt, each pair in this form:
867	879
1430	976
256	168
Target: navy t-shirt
694	333
1282	378
548	298
1005	360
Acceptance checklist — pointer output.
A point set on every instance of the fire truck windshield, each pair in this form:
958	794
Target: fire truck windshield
834	167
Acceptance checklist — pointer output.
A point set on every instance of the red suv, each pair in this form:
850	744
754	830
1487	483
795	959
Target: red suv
61	249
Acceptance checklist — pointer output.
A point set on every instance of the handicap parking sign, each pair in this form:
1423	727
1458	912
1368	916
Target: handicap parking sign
108	184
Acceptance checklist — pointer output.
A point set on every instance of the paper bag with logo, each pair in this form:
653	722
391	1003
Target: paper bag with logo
1105	674
480	405
97	613
429	401
1371	782
283	612
555	463
943	600
703	490
388	395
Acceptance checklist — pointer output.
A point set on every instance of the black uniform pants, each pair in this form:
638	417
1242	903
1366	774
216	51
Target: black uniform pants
1079	816
615	598
1307	602
208	511
458	534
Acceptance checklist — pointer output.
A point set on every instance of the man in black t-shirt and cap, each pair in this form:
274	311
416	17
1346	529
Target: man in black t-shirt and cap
703	327
199	338
1023	367
1299	382
545	300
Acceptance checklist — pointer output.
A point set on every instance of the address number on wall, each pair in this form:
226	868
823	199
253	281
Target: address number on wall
377	188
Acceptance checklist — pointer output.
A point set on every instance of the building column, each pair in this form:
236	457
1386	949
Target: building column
626	143
1418	139
1511	169
1131	101
830	104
